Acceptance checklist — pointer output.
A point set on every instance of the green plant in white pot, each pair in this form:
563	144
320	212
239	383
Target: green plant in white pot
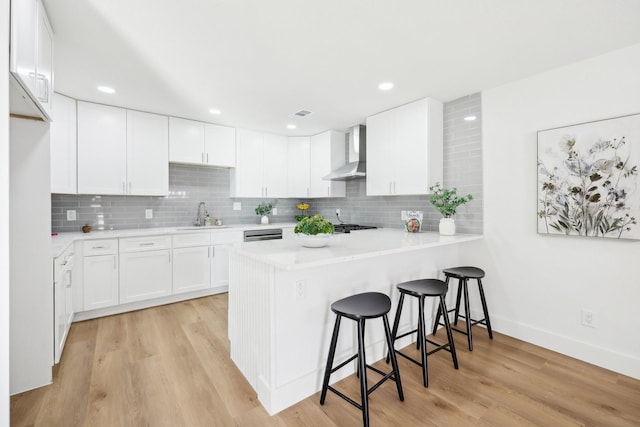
446	202
264	209
314	231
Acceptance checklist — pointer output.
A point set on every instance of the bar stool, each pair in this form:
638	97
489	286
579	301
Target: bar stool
421	289
463	274
360	307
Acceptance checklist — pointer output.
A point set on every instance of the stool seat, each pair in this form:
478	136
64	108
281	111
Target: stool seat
423	287
464	272
368	305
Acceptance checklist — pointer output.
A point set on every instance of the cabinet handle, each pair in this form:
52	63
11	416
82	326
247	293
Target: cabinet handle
266	192
147	244
394	187
207	158
124	187
390	191
202	157
114	263
98	247
129	187
213	252
169	253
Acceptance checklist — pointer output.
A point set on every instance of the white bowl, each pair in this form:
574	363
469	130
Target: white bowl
313	241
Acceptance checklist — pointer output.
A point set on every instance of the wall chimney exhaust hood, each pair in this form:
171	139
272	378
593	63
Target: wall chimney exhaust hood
357	166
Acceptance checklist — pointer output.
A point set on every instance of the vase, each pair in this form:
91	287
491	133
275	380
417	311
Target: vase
313	241
264	219
447	226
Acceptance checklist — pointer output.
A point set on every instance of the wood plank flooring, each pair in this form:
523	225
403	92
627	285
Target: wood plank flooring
170	366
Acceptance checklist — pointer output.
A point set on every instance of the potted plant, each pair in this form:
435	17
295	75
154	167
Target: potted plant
446	202
263	210
303	210
314	231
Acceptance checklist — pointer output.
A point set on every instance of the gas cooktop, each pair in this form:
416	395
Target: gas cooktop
348	228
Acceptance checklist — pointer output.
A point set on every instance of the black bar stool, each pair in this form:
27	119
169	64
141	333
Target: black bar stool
360	307
421	289
463	274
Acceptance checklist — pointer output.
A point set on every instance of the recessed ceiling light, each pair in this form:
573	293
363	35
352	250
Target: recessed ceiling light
470	118
106	89
385	86
291	126
214	111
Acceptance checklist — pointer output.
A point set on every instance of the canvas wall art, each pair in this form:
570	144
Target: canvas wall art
588	179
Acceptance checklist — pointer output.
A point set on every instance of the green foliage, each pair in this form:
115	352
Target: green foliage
313	225
264	209
447	201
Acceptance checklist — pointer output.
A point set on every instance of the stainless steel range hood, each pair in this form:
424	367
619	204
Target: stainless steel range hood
357	166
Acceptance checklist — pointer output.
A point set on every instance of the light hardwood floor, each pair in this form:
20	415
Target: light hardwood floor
170	366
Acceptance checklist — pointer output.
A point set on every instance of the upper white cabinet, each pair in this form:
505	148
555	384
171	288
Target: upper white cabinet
261	165
121	152
404	149
147	154
63	145
327	152
298	166
102	149
31	59
199	143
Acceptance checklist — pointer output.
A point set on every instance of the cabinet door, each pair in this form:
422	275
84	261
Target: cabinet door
412	143
147	154
191	269
327	152
220	145
274	173
380	150
63	145
186	141
100	281
246	177
24	39
220	268
144	275
298	166
44	64
102	149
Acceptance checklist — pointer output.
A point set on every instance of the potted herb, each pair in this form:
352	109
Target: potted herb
314	231
446	202
303	210
263	210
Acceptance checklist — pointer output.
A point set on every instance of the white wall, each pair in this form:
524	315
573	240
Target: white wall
4	213
537	285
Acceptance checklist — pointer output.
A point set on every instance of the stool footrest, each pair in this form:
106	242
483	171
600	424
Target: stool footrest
343	364
345	397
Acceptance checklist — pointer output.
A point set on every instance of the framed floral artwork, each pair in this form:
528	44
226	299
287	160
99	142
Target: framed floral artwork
588	179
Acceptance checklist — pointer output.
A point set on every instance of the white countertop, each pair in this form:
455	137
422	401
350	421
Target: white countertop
61	241
290	254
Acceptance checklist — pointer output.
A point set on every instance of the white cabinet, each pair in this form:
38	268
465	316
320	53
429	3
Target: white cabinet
404	149
327	152
219	145
145	268
63	300
63	145
192	262
298	166
221	258
199	143
121	152
102	149
31	59
100	280
261	165
147	154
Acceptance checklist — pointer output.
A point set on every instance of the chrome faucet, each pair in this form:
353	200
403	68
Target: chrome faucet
199	219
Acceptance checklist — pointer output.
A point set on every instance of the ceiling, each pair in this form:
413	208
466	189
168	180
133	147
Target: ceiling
261	61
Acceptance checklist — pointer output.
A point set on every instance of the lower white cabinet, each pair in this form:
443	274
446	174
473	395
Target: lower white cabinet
145	268
220	265
100	281
63	300
192	255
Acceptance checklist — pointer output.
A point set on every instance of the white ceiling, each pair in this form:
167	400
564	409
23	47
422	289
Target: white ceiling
260	61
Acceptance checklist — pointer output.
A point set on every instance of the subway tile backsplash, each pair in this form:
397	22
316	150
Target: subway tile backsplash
190	185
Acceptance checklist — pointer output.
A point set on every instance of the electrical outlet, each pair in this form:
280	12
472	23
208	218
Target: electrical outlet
148	213
337	211
403	215
275	211
300	290
237	206
71	215
588	318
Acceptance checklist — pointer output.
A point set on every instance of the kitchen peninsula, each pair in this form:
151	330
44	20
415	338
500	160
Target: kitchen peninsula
280	294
